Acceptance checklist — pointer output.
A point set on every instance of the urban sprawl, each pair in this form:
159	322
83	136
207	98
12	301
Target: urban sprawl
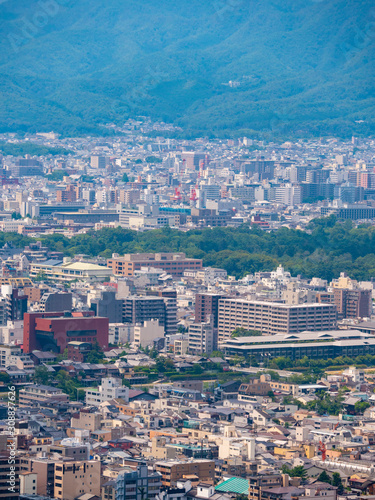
150	375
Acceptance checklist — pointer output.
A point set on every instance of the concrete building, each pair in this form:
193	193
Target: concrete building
86	420
137	310
171	471
36	395
172	263
44	468
97	161
7	352
110	388
170	300
137	484
28	483
69	271
56	302
314	345
202	338
144	335
207	304
53	331
120	333
78	351
107	306
353	303
72	479
272	317
7	490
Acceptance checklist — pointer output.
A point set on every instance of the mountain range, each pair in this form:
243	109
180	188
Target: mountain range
217	67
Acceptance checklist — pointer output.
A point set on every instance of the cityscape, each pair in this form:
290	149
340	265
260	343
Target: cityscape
187	250
138	367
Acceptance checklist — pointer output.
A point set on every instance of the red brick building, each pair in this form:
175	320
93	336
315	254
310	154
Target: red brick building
53	331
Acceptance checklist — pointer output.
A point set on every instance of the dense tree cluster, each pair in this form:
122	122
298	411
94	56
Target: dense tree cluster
327	247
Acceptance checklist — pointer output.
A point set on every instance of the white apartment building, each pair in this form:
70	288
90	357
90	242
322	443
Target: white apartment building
120	333
144	335
201	338
109	389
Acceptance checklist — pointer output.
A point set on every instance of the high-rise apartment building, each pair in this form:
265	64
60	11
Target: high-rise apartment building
271	318
108	306
207	305
144	308
202	338
97	161
353	303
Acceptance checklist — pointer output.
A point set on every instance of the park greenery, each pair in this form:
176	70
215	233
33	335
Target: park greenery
24	148
327	248
242	332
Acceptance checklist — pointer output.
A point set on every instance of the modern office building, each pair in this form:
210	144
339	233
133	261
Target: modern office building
108	306
273	318
172	263
314	345
53	331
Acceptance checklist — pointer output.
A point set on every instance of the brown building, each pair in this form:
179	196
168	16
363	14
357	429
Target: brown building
72	479
193	159
86	420
262	481
33	294
45	469
352	303
253	388
78	351
204	217
66	195
172	471
207	304
172	263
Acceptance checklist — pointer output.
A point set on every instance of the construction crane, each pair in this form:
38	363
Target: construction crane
193	194
322	448
177	194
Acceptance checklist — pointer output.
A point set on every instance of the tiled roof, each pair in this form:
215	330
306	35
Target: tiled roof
234	485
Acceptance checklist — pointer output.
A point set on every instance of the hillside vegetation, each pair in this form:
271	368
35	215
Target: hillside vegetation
304	67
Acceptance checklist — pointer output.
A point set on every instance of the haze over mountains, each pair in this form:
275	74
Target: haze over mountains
304	67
